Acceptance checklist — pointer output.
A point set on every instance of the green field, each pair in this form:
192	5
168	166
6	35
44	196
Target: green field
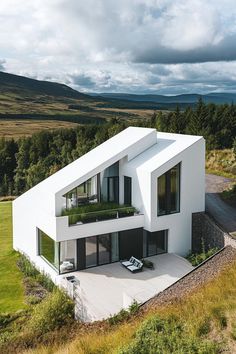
11	286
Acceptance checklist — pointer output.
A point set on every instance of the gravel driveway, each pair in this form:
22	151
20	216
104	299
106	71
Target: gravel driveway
224	214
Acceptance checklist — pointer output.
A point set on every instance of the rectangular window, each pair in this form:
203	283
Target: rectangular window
127	190
168	192
162	195
154	242
48	249
113	189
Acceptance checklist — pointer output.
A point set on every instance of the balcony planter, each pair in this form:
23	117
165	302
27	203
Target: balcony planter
107	215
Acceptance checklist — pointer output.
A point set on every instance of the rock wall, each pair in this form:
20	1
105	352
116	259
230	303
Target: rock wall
205	229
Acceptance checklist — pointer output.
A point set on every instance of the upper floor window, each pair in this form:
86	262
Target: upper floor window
168	192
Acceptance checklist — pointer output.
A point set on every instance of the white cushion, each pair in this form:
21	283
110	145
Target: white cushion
132	268
127	263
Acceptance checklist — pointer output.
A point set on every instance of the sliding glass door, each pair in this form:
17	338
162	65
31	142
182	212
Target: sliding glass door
155	242
102	249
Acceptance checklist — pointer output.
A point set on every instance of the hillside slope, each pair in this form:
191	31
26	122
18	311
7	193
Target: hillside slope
26	98
21	85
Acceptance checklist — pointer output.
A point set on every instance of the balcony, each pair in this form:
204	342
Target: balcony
98	212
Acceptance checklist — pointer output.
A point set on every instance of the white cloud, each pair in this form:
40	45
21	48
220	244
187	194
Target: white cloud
125	45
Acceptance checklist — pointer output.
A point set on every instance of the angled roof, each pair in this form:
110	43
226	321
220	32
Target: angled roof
130	142
168	145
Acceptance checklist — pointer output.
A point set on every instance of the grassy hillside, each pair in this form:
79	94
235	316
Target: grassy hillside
221	162
26	127
202	323
11	287
25	98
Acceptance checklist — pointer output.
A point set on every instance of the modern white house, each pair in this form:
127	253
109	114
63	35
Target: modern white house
133	195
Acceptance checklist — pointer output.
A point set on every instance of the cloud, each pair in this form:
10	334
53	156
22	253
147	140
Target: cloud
125	45
2	64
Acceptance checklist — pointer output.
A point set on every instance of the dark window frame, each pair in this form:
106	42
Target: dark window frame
166	234
167	175
114	178
127	190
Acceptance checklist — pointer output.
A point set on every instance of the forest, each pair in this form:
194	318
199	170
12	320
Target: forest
27	161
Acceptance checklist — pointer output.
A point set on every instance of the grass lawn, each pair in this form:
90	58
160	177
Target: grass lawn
11	287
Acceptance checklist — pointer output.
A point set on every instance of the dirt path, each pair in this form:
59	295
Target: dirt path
224	214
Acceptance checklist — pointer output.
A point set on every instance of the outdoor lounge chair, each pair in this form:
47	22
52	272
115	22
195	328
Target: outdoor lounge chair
128	263
134	265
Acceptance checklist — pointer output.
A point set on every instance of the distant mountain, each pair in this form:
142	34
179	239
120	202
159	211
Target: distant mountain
23	85
217	98
26	98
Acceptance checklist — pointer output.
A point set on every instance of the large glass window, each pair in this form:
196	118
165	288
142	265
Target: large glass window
168	192
87	192
91	251
115	247
104	249
154	242
67	256
48	249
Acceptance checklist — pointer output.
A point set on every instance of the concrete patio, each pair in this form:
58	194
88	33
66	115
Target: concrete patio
105	290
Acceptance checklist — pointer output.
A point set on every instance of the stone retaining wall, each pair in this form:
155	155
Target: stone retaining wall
204	228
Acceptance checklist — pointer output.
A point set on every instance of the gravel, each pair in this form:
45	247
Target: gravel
197	278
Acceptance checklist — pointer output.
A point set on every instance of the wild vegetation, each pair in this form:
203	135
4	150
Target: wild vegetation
46	325
27	161
15	129
30	304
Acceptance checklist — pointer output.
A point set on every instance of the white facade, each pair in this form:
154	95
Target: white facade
144	155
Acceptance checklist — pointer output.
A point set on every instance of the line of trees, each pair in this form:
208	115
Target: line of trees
27	161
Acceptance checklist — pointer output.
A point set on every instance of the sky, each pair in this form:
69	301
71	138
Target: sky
135	46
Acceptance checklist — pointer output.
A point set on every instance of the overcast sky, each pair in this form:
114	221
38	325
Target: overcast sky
136	46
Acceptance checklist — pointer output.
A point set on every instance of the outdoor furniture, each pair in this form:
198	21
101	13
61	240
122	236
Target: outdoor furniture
133	265
66	266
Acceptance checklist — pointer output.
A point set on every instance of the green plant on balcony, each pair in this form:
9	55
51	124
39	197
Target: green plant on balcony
98	212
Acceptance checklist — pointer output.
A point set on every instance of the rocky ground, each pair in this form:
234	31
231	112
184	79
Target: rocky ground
197	278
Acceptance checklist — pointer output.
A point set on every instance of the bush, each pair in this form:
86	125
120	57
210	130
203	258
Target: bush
219	315
53	312
33	299
197	258
158	336
27	268
45	281
147	264
124	314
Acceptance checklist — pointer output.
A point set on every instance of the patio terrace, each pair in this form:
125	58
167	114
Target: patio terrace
105	290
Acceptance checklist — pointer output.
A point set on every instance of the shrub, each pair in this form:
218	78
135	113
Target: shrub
124	314
27	268
119	317
147	264
134	307
158	336
54	311
33	299
204	327
219	315
45	281
197	258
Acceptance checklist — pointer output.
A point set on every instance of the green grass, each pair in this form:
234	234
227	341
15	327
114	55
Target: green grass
11	286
